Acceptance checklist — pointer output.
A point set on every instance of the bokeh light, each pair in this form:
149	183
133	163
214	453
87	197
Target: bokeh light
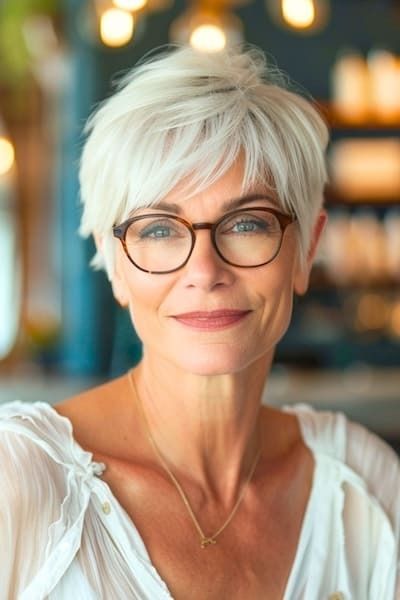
130	4
116	27
208	38
7	155
298	13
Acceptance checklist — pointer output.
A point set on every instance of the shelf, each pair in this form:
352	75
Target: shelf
334	198
362	141
337	121
320	282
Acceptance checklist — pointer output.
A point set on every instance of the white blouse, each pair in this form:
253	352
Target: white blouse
63	535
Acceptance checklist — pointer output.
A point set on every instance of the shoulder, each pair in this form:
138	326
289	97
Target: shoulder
32	424
45	481
32	435
30	462
362	480
88	408
369	463
104	419
37	445
350	443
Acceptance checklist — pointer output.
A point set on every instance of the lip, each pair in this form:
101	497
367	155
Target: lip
211	320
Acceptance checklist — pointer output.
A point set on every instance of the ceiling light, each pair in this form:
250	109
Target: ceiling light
298	13
207	31
208	38
116	27
303	16
130	4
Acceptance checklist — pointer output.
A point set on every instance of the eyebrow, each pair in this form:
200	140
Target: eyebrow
228	205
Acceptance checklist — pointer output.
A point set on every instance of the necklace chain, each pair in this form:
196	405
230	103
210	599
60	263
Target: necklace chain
204	539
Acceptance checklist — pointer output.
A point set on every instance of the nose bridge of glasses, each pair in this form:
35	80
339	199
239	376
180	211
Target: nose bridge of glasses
206	225
211	227
203	225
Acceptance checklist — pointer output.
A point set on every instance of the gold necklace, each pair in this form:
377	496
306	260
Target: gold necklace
204	539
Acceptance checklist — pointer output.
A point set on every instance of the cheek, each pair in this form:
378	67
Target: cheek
146	295
278	309
278	291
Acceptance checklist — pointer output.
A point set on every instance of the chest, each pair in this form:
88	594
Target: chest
253	556
249	560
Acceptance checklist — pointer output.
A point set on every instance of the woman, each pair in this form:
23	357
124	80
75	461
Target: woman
202	181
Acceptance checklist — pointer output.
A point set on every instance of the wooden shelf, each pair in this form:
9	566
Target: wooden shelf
320	281
334	198
338	121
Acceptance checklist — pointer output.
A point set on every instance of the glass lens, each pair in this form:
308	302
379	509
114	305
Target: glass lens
249	238
158	243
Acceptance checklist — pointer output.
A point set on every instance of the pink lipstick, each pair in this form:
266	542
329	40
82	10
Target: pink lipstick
211	320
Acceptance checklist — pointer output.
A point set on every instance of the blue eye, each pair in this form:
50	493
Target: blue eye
248	226
155	232
158	230
248	223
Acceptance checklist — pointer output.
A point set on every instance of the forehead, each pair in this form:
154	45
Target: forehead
227	192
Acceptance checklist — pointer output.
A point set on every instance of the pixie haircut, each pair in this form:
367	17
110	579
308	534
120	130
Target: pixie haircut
185	116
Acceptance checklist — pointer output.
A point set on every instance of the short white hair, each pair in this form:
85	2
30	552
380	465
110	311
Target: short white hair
186	115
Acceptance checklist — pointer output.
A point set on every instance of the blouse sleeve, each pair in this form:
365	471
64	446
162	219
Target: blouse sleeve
379	467
32	489
370	500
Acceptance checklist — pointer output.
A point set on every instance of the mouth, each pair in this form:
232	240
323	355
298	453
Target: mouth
211	320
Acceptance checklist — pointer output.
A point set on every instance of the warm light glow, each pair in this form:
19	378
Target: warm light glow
395	319
372	312
116	27
208	38
298	13
366	168
6	155
130	4
350	82
384	72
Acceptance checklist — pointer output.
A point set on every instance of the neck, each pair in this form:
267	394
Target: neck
207	428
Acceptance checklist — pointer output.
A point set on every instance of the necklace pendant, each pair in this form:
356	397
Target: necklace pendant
207	541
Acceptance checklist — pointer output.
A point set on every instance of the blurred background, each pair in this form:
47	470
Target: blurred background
60	329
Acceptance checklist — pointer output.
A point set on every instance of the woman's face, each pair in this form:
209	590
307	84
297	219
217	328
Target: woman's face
255	304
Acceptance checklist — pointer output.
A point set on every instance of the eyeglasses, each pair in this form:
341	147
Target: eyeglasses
162	243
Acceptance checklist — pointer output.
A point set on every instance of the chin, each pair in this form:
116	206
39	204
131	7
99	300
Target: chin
209	362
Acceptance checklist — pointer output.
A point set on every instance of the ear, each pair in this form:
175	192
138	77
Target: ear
117	282
302	275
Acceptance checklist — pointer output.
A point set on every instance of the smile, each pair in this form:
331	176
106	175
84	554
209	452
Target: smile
211	320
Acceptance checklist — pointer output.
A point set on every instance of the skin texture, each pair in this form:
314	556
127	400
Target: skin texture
201	393
221	373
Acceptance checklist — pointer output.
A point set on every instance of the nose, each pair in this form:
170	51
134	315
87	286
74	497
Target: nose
205	268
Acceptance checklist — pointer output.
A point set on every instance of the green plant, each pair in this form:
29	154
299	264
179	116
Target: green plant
14	55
